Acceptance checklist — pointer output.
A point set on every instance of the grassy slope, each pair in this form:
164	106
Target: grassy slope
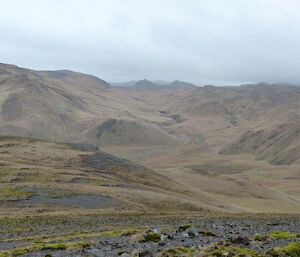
30	169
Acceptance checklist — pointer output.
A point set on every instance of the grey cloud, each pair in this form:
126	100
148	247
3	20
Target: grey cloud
217	42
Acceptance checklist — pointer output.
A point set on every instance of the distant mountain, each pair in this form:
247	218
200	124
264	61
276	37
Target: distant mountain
155	85
146	85
123	84
246	101
161	82
181	85
150	122
45	104
59	75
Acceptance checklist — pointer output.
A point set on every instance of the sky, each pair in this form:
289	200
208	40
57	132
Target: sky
220	42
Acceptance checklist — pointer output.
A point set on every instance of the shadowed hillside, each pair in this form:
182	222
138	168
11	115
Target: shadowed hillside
279	146
128	133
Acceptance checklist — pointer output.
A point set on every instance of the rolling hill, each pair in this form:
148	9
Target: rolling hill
180	147
178	120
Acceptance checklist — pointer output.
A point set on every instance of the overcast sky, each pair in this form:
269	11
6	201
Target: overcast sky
201	41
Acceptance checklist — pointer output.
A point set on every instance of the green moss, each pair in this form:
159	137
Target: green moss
291	250
13	193
38	177
172	252
113	233
186	250
180	251
241	252
74	236
260	238
282	235
19	252
185	227
79	245
41	247
217	253
151	237
222	251
14	252
54	247
207	233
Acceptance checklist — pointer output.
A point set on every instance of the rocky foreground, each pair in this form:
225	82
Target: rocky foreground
207	238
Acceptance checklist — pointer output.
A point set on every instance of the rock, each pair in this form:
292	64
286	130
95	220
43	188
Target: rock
125	255
145	253
192	234
186	235
152	235
241	240
170	237
228	254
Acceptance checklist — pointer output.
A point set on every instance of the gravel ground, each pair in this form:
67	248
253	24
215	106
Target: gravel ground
198	234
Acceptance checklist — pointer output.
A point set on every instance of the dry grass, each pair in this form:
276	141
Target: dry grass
227	185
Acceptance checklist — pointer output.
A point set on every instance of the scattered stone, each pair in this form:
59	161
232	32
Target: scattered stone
152	235
145	253
125	255
241	240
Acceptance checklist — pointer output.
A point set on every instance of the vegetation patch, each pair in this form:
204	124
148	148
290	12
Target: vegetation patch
291	250
184	227
282	235
13	193
241	252
52	240
180	251
260	238
38	177
85	235
151	237
207	233
41	247
221	251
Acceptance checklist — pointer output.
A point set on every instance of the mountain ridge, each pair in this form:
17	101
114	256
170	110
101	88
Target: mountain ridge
68	106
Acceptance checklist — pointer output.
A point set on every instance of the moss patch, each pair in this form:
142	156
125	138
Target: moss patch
207	233
180	251
222	251
282	235
151	237
41	247
13	193
184	227
260	238
291	250
241	252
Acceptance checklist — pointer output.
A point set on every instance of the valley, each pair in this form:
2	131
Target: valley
86	166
